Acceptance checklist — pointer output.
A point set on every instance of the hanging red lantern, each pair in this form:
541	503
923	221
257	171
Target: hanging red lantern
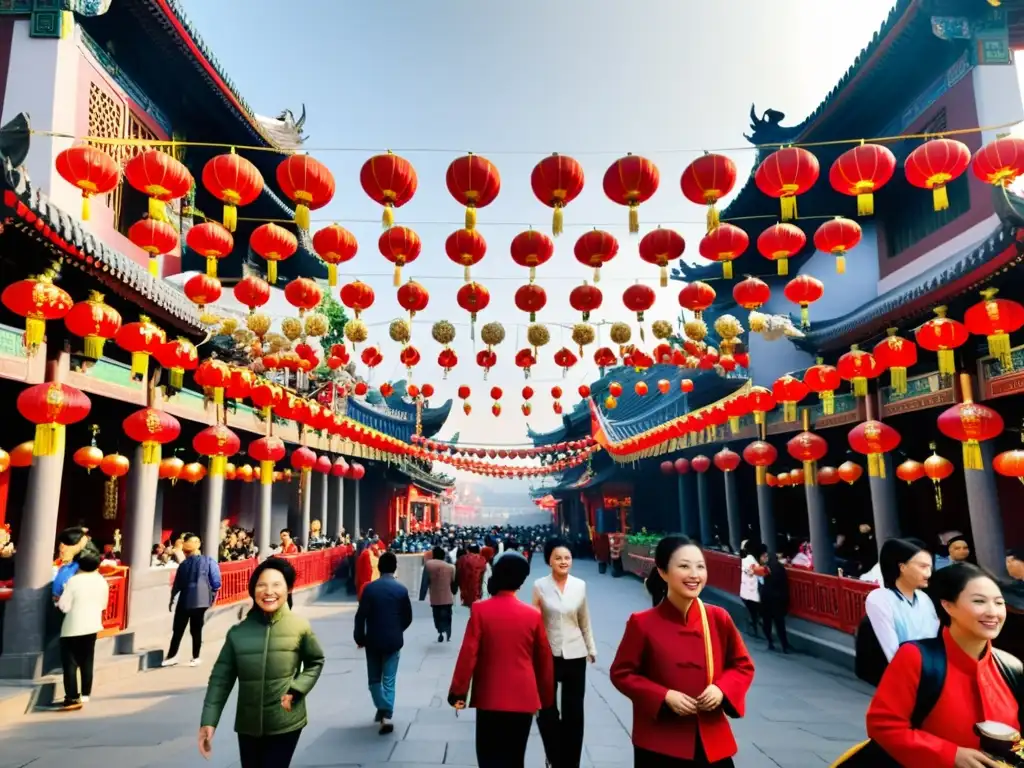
604	357
90	170
400	246
789	391
95	321
474	298
661	246
1000	161
823	380
160	177
273	243
303	294
486	359
36	299
202	289
696	297
234	181
736	407
828	476
412	297
115	465
192	472
474	182
970	423
910	471
21	455
996	319
585	299
630	181
52	407
334	245
861	172
594	249
937	468
942	335
751	294
306	182
584	391
681	466
557	180
356	472
215	376
142	339
780	243
727	460
152	428
531	298
1010	464
639	298
465	247
446	360
664	385
804	290
303	460
897	355
873	438
531	249
785	174
357	296
667	468
565	359
170	469
177	357
371	357
808	448
88	457
389	180
252	291
707	180
211	241
410	358
838	236
857	366
850	472
725	243
761	401
700	464
525	359
935	164
155	238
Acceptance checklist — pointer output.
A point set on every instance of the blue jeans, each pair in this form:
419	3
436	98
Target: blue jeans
381	672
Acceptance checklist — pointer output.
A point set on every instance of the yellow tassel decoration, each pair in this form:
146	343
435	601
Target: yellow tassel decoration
938	495
397	278
840	264
828	402
150	452
860	387
761	475
713	220
557	220
999	346
788	207
332	275
465	273
218	465
140	365
866	204
302	216
940	198
154	267
734	424
267	412
387	219
266	473
470	217
634	218
230	220
218	395
211	266
947	362
898	379
157	209
177	378
663	277
49	439
805	316
972	455
783	266
272	272
759	417
93	347
85	207
810	473
726	270
35	332
597	274
789	410
876	465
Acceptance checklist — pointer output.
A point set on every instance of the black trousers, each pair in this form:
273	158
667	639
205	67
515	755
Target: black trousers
193	619
268	751
644	759
754	610
561	728
77	654
501	738
778	618
442	619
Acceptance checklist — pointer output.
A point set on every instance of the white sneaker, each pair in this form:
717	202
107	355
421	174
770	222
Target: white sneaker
195	662
85	699
171	662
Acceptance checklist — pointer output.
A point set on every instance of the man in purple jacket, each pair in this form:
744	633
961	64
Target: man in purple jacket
195	586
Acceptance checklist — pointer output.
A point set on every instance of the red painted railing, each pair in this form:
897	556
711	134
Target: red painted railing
115	617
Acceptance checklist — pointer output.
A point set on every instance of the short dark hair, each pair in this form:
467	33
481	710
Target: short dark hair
949	582
286	530
278	564
894	553
88	560
555	542
1017	553
70	537
474	549
508	573
387	563
437	553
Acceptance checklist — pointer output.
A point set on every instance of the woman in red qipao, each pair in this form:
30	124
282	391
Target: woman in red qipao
366	568
974	687
684	666
470	575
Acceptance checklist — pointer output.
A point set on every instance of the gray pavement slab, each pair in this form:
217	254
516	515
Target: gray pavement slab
800	711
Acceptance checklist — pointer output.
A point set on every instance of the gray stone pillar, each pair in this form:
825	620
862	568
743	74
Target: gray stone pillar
305	491
766	512
26	613
158	512
339	511
355	513
264	520
689	510
986	517
822	544
707	530
732	511
213	512
883	501
324	509
248	505
142	497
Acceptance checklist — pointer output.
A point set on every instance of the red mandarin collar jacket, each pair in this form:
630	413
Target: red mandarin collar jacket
661	651
974	691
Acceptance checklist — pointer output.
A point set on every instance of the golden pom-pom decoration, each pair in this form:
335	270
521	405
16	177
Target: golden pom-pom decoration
400	331
492	334
728	327
291	327
662	329
277	342
356	331
621	333
243	337
583	334
695	330
537	335
258	323
210	318
316	325
228	326
443	332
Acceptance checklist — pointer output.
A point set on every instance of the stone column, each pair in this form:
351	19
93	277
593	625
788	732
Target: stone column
681	492
158	513
707	529
339	520
324	509
986	517
822	544
213	509
882	482
142	498
732	510
264	518
355	512
766	510
305	489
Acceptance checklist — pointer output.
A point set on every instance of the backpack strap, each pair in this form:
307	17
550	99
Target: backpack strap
1012	670
933	678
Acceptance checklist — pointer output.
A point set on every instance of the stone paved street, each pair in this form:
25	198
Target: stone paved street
801	712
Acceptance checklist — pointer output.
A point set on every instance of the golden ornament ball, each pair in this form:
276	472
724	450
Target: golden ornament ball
443	332
662	329
537	335
583	334
316	325
258	323
728	327
621	333
695	330
492	334
400	331
356	331
291	327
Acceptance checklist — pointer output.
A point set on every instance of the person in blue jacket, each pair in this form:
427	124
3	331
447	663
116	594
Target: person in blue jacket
195	586
70	542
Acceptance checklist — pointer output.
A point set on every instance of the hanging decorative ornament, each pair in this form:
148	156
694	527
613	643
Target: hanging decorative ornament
639	298
252	291
88	456
214	376
1000	161
486	359
760	455
565	359
357	296
809	449
218	443
785	174
970	423
334	245
474	182
531	298
95	322
725	243
537	334
202	290
466	247
996	319
177	357
850	472
823	380
306	182
142	339
90	170
531	249
620	333
234	181
36	299
736	408
696	297
371	357
910	471
707	180
789	391
896	354
585	299
526	358
942	335
303	294
937	468
751	293
857	366
496	394
594	249
400	331
557	180
160	177
780	243
760	400
582	335
52	407
154	237
1007	464
389	180
412	296
838	237
804	290
862	171
661	246
273	243
604	358
410	358
400	246
209	240
356	332
446	360
873	438
630	181
473	297
936	163
152	428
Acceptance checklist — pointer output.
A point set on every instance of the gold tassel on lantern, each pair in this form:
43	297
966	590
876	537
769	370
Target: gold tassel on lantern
972	455
828	402
876	465
866	203
140	365
761	475
734	424
93	347
397	277
788	207
999	347
157	209
230	220
218	465
49	439
898	379
940	198
387	219
663	277
783	269
332	275
177	378
713	219
470	217
211	266
218	395
726	270
840	264
302	216
634	219
150	452
805	316
860	386
789	410
810	473
759	417
266	473
938	495
85	206
154	266
597	275
947	362
35	332
272	272
557	220
110	499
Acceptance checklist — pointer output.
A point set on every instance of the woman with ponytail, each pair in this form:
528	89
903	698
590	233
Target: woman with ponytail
683	665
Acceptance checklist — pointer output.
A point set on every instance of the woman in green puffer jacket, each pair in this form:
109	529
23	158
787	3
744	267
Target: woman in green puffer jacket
276	659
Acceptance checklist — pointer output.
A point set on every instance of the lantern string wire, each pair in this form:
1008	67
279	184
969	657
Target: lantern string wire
120	142
519	224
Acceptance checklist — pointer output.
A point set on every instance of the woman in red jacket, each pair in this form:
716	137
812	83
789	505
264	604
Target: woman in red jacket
684	666
506	657
974	689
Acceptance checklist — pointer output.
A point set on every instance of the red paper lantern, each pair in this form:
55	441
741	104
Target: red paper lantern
897	355
152	428
661	246
760	401
306	182
667	468
355	472
142	339
474	182
850	472
828	476
780	243
95	321
88	456
823	380
700	463
785	174
873	438
531	298
942	335
857	366
155	238
334	245
160	177
595	248
303	460
323	465
707	180
995	319
838	236
629	181
640	388
727	460
936	163
910	471
804	290
465	247
603	358
760	455
565	359
696	297
177	357
202	289
531	249
170	469
273	243
1010	464
400	246
473	297
214	375
557	180
682	466
725	243
303	294
211	241
970	423
789	391
90	170
389	180
861	172
36	299
752	293
357	296
638	298
234	181
115	465
586	299
664	385
252	291
51	407
1000	161
584	391
412	297
808	448
446	360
